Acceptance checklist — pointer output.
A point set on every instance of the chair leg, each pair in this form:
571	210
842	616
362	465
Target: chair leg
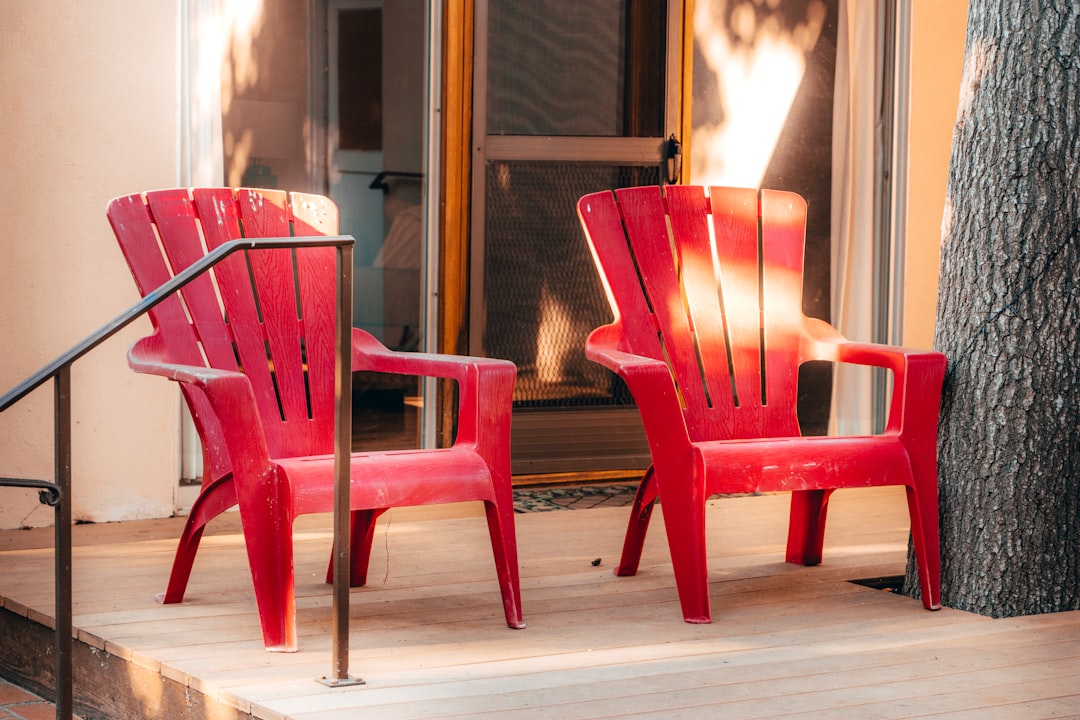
683	507
806	528
923	508
638	525
214	499
268	537
184	559
500	519
362	533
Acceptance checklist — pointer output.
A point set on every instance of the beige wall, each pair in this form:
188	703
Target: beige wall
89	113
937	56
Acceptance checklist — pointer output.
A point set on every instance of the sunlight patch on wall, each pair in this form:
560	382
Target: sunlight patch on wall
750	57
242	20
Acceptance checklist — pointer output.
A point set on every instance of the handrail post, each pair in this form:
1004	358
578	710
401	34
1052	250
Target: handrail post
62	544
339	676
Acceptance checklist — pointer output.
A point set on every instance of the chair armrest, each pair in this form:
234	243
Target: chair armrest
144	356
917	374
228	392
485	389
650	383
601	347
826	343
370	354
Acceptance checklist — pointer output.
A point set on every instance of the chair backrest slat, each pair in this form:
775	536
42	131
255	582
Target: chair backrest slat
604	228
783	237
316	215
138	241
173	214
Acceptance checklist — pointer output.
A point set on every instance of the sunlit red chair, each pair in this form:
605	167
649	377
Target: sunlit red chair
709	334
253	349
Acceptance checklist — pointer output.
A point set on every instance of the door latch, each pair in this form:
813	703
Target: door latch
673	158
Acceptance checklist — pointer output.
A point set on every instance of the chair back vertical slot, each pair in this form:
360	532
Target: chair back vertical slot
264	214
644	217
735	237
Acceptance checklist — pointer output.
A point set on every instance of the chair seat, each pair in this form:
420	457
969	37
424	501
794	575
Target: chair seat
395	478
803	463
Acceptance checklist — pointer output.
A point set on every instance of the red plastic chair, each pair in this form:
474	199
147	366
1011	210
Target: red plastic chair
257	372
711	357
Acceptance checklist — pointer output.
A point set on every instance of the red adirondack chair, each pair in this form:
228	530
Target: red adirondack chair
258	375
710	345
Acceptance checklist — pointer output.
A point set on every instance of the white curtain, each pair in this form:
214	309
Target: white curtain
854	148
202	53
201	154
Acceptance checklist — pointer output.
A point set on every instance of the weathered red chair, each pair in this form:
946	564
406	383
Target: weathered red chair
253	349
709	333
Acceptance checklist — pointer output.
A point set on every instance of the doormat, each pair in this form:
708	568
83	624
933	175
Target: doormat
573	498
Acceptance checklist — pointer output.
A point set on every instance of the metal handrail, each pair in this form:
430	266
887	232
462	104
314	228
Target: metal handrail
58	493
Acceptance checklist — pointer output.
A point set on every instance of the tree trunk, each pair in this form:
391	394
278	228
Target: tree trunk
1008	316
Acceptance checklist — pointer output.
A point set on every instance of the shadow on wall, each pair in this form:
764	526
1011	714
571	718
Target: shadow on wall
264	93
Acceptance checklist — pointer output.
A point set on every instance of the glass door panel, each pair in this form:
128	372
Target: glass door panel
575	69
376	87
543	295
376	63
570	98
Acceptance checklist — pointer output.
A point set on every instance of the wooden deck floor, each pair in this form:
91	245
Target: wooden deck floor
428	636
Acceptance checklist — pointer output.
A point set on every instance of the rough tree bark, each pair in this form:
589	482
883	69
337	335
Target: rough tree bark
1008	316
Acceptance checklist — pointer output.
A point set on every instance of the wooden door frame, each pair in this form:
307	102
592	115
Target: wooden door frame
456	177
454	184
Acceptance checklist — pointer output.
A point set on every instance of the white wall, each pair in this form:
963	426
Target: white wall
89	113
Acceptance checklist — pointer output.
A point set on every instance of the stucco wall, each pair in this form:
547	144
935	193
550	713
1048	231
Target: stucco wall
89	113
937	56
